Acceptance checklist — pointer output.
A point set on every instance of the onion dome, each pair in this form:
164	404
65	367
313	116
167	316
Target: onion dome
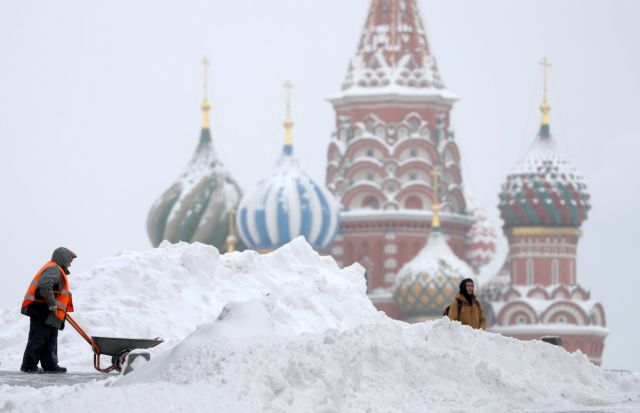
544	189
481	239
427	284
196	207
287	204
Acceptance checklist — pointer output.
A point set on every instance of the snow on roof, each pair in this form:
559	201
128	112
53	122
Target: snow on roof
205	184
431	259
393	90
393	50
418	214
540	305
524	290
543	151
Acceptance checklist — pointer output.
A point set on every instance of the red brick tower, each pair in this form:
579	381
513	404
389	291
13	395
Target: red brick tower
543	204
392	130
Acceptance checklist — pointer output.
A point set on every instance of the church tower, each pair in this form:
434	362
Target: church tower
392	130
543	204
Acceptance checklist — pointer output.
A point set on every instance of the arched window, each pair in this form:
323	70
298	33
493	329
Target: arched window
413	202
370	202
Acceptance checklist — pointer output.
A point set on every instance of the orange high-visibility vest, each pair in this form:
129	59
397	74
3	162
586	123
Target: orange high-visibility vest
63	297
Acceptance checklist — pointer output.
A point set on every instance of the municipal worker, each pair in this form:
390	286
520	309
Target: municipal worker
470	311
47	302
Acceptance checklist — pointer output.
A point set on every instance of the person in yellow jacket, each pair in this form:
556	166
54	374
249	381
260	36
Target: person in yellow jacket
470	312
47	302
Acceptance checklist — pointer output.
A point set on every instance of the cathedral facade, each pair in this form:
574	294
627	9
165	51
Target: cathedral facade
392	132
395	203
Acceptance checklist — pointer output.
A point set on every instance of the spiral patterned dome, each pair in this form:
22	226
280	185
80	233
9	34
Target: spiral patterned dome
482	239
427	284
286	205
197	206
544	189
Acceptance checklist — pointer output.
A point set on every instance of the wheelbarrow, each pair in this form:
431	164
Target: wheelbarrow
117	348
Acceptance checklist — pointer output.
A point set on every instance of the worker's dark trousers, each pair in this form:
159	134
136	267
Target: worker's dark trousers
42	346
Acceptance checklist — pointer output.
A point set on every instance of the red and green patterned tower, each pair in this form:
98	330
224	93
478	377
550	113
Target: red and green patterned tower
543	204
392	130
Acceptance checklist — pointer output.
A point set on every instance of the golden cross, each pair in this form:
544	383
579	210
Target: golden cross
546	65
287	87
205	64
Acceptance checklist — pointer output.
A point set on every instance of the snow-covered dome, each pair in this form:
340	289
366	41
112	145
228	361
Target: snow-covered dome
481	238
286	205
196	207
544	189
427	284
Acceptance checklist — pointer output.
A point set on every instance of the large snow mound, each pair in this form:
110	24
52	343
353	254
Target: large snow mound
290	331
168	291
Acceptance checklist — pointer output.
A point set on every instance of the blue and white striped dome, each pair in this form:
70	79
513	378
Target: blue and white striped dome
286	205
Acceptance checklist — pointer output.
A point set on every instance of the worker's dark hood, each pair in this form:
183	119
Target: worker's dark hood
63	257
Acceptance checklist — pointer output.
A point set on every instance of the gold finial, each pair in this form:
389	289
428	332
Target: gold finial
205	103
435	222
545	108
232	238
288	123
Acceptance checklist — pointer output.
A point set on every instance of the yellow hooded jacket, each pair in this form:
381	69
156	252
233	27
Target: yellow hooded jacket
470	314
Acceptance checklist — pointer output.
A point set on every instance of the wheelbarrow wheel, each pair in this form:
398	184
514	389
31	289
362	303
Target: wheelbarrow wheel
119	359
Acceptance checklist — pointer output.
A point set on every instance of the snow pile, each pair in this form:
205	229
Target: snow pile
168	291
388	366
290	331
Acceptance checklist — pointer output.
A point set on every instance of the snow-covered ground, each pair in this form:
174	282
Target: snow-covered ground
290	331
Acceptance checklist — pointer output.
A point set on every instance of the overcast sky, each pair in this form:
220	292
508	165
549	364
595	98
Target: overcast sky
99	113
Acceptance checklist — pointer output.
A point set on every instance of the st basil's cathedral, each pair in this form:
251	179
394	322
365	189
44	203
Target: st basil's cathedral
394	199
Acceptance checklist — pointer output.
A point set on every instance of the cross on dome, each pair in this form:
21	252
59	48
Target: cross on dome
545	108
205	64
205	103
288	123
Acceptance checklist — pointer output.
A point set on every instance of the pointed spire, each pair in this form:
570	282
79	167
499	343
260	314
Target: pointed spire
288	123
545	108
393	48
435	222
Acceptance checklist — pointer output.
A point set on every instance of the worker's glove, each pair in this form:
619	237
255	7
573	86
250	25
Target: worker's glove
53	308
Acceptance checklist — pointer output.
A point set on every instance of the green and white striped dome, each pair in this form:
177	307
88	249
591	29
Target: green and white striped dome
197	206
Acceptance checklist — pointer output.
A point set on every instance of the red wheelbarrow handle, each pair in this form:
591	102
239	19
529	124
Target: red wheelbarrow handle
96	348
